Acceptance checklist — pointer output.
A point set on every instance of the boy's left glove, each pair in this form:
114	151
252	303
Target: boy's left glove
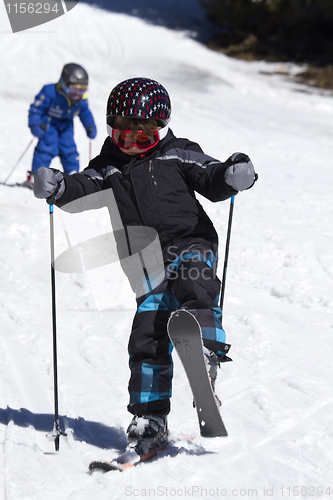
48	182
91	132
240	174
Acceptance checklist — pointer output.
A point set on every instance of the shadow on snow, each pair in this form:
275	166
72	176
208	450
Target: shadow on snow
93	433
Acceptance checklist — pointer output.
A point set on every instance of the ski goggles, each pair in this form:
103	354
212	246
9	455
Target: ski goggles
74	93
127	139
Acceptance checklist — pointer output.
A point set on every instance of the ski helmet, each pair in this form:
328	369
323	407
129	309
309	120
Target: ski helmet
74	74
139	98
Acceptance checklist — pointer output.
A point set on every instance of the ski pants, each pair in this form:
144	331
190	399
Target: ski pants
190	283
57	142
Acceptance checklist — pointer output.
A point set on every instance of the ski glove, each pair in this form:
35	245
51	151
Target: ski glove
37	131
48	182
91	132
240	174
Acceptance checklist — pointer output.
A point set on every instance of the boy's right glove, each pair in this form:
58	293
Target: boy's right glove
37	131
240	175
48	182
91	132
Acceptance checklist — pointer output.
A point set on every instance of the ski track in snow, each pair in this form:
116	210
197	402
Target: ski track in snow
277	394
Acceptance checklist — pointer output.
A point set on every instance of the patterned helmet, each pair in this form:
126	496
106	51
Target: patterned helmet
139	98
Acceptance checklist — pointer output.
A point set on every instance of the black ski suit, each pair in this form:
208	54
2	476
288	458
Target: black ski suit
157	190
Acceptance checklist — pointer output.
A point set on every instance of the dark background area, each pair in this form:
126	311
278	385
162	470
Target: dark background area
299	31
188	15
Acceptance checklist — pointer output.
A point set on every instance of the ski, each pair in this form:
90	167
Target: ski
185	334
131	459
18	184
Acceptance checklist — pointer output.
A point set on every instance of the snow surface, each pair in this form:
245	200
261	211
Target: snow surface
277	394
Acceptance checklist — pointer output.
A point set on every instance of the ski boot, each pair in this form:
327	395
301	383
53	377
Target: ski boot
147	433
29	183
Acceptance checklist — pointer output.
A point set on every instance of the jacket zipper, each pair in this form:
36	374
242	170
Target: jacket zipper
150	170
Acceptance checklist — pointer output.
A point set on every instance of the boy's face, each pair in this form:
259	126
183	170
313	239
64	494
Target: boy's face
137	141
132	152
75	91
135	136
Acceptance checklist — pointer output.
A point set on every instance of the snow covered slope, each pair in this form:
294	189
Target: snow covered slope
278	393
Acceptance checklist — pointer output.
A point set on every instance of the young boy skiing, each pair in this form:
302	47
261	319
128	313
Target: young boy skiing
153	176
51	120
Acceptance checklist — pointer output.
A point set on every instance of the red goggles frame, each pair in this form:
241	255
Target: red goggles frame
127	139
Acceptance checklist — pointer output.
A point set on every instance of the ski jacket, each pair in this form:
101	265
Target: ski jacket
52	106
157	190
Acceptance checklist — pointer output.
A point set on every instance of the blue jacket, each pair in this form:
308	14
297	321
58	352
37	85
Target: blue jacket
52	106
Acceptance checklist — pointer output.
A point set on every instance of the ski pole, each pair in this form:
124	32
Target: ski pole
226	255
89	151
56	433
18	161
